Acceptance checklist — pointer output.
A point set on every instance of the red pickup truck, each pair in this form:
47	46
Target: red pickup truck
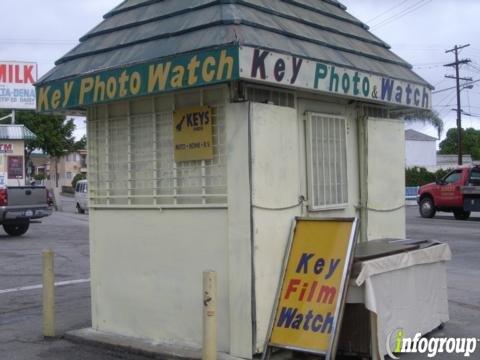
457	192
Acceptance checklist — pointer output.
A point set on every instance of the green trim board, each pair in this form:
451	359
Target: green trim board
285	70
169	74
227	64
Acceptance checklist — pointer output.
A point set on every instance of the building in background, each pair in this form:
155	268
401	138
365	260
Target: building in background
448	161
40	164
68	166
420	149
12	154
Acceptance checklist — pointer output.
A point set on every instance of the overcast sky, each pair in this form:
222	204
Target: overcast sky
418	30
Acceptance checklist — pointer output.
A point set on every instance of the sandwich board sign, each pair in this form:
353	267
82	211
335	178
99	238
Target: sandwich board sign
311	295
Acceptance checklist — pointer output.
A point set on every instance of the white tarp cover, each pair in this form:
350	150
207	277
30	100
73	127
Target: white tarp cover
407	291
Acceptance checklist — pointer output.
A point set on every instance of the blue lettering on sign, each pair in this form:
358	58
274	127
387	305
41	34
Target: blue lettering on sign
387	88
24	92
292	318
5	92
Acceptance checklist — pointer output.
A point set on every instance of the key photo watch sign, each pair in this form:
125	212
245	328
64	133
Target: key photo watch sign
311	295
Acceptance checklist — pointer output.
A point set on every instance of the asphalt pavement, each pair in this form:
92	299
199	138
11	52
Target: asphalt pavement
463	273
67	234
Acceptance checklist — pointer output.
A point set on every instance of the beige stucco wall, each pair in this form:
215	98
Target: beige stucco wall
386	179
146	269
275	185
278	179
147	264
18	150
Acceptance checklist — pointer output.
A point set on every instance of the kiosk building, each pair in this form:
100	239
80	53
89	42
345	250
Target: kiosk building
211	125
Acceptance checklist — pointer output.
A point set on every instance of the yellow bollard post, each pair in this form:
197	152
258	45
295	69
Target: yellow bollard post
48	294
209	315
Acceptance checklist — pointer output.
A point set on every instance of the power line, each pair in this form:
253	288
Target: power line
387	11
403	13
427	67
449	95
469	107
445	111
463	86
438	83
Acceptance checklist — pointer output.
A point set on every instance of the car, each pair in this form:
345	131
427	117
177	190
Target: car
457	192
81	196
21	204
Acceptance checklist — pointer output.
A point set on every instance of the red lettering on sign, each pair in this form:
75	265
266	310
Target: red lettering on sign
6	148
3	73
27	74
17	74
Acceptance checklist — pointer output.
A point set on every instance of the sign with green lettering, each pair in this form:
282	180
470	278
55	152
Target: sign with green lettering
229	64
175	73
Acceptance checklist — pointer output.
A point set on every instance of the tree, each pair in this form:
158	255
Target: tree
81	144
77	178
54	135
471	143
427	116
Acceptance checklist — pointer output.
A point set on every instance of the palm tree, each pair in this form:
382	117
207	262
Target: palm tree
431	117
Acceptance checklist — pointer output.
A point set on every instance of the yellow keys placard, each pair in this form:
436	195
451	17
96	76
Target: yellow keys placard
192	134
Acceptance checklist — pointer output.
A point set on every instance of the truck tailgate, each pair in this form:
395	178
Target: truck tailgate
30	196
471	198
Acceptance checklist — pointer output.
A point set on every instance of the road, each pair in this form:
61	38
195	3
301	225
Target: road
20	311
67	234
463	272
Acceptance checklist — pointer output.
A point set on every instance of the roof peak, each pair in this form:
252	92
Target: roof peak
414	135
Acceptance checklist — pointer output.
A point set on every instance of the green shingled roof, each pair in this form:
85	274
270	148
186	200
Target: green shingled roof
138	31
16	132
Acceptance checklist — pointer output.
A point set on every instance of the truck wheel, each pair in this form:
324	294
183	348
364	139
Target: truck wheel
427	208
16	229
79	209
461	214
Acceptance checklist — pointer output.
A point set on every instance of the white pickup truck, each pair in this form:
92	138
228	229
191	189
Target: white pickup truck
21	204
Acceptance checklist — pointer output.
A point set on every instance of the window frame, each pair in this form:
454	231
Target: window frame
183	175
312	207
450	174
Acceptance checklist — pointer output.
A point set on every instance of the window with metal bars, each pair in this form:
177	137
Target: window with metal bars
131	160
270	96
327	161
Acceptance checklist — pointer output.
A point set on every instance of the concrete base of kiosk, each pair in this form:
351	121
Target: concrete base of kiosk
138	346
406	290
394	285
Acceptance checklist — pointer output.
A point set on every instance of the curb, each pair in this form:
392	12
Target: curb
137	346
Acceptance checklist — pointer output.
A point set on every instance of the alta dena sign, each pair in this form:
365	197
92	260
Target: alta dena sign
222	65
16	85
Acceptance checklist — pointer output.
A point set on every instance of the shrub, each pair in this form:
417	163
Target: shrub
77	178
39	177
418	176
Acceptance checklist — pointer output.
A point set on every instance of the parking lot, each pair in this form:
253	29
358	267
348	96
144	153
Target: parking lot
67	234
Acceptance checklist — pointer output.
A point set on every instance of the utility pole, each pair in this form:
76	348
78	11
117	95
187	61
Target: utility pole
457	77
